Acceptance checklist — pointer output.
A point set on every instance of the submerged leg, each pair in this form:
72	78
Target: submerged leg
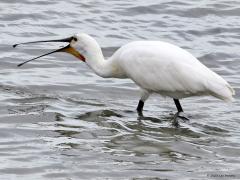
177	115
144	96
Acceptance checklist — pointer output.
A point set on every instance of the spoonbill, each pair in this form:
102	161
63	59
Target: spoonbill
155	66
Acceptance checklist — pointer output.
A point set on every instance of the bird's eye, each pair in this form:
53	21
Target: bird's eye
74	38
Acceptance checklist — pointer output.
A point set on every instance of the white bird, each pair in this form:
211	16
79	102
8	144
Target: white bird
155	66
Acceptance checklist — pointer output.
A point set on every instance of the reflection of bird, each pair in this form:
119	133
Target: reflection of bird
155	66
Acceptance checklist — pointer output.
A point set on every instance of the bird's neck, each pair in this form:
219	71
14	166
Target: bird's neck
95	60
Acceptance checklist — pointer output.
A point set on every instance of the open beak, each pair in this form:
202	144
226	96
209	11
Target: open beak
67	49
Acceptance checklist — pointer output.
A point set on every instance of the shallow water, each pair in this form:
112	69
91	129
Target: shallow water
60	121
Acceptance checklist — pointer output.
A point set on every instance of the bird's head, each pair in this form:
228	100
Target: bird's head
77	46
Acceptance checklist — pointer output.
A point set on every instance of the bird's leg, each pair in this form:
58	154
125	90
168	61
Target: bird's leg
177	115
144	96
178	105
140	107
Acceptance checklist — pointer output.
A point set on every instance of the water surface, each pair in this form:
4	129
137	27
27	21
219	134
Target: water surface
58	120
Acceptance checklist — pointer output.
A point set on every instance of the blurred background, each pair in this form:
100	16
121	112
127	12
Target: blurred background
58	120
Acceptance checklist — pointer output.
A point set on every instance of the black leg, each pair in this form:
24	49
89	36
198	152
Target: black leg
140	107
178	105
177	115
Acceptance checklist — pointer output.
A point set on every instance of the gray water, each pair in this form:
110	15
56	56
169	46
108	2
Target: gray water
58	120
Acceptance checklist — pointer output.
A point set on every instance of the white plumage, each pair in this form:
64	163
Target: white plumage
166	69
155	66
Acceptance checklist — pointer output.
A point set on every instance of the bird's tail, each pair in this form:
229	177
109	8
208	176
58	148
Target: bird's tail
221	90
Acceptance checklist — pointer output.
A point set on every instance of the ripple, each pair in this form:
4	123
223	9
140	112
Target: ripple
59	120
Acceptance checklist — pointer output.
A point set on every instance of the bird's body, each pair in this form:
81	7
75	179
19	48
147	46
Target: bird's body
160	67
155	66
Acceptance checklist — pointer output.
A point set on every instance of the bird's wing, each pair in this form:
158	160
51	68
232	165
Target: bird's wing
165	68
